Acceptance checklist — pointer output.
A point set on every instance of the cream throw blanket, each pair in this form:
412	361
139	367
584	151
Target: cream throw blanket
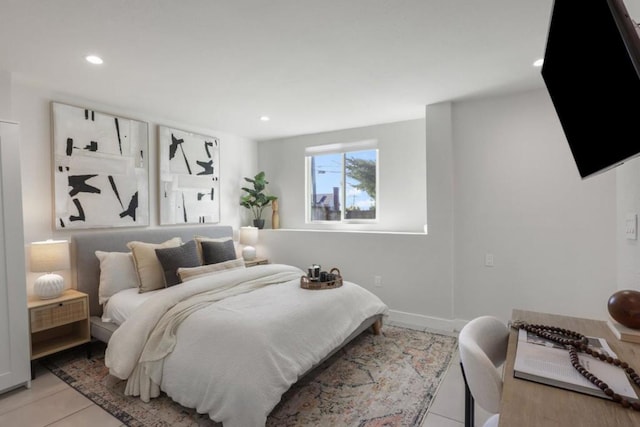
138	347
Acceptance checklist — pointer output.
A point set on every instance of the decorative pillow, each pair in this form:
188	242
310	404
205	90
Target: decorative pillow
200	239
148	268
187	274
117	273
173	258
215	252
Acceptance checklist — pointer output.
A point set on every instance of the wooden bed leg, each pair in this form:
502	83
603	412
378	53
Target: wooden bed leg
376	328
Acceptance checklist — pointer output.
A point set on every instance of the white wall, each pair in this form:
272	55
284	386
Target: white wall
31	107
628	203
500	180
401	165
519	196
5	95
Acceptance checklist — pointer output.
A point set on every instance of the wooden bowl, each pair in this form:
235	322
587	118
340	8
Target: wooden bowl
624	307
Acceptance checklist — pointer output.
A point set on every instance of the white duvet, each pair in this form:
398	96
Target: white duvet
233	358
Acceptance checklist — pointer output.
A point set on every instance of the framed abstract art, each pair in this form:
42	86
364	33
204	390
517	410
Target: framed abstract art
189	177
101	169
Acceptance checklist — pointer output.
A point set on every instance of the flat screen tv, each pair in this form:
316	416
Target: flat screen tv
592	72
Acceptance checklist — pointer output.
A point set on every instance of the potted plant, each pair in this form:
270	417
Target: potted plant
255	199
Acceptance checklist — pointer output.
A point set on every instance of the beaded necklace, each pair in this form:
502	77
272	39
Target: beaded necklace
574	343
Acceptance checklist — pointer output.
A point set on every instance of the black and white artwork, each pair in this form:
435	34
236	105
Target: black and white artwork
101	169
189	177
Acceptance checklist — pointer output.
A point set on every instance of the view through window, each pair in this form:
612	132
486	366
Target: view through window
343	186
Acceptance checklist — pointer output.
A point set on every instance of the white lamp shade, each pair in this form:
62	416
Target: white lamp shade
248	238
50	255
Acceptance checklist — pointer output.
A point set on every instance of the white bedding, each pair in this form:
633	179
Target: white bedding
123	304
234	358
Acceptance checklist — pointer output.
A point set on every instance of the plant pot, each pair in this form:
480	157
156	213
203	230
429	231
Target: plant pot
259	223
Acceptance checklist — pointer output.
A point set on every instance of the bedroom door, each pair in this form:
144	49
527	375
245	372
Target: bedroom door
14	323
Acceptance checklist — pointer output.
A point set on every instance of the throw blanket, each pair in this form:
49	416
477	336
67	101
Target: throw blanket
149	335
234	359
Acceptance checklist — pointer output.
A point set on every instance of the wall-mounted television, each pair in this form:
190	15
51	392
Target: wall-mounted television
592	72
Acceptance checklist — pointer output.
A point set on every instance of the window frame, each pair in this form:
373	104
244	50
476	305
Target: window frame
343	149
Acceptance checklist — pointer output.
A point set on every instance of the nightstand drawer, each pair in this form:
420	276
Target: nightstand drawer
61	313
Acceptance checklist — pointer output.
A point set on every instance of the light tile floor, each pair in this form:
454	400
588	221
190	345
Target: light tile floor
51	402
447	409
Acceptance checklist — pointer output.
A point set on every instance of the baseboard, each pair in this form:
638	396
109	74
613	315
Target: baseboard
420	321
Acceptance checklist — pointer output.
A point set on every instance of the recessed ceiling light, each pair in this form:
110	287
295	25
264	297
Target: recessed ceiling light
538	62
265	118
94	59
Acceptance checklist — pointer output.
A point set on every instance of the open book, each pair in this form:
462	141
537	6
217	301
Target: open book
544	361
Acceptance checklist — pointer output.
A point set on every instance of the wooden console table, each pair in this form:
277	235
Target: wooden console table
529	404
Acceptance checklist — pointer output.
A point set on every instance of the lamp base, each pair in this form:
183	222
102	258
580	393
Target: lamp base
249	253
49	286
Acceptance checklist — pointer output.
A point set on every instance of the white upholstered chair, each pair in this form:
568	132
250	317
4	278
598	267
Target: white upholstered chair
482	344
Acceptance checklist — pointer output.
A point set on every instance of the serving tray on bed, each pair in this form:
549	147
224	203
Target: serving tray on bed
307	283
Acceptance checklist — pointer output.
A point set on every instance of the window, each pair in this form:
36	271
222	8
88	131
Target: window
342	182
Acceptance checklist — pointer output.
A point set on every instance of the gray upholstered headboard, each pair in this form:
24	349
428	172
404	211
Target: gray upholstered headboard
87	266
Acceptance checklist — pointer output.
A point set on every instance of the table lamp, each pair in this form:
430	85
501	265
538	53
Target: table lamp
248	238
46	257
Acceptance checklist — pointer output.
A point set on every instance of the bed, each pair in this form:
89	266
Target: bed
228	343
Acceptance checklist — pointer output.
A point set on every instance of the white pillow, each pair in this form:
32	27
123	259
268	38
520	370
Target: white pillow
191	273
117	272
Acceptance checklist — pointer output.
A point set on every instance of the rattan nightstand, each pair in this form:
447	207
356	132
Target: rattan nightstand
256	261
59	323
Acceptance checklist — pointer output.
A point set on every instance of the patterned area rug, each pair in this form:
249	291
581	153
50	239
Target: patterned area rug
374	381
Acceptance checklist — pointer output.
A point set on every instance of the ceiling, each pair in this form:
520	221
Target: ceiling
310	65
